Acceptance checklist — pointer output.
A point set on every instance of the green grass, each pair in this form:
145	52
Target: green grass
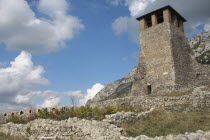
160	123
83	112
174	94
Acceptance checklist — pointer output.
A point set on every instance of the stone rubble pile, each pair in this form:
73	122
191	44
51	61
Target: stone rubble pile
119	117
84	130
198	135
64	130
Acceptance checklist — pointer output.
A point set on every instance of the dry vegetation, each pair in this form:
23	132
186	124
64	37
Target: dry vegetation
8	137
160	123
83	112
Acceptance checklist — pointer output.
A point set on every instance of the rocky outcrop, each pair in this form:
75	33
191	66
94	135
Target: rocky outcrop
117	89
201	47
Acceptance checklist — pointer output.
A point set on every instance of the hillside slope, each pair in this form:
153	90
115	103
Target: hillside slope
200	46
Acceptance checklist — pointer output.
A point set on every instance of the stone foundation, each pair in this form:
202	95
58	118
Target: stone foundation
198	101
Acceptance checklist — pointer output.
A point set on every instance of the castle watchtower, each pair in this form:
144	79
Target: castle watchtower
165	62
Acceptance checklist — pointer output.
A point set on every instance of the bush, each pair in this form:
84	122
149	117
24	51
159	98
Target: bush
160	123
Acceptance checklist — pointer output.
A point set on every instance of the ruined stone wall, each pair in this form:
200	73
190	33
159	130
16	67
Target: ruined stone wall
199	100
26	113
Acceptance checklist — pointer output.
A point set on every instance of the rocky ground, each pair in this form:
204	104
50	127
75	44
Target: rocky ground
81	129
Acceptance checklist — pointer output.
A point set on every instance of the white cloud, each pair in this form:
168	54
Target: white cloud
91	93
51	102
120	25
126	25
20	81
51	7
136	7
20	77
194	11
25	31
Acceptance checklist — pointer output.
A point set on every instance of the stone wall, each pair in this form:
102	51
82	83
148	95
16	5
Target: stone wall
26	113
199	100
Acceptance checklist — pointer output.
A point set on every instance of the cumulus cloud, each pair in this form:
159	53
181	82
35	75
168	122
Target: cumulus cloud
20	77
25	31
52	7
19	83
91	93
51	102
126	25
137	6
196	12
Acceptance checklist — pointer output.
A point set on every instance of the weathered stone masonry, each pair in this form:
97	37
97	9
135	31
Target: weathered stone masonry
165	63
198	101
28	112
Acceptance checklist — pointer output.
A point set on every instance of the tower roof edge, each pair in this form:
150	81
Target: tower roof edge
165	7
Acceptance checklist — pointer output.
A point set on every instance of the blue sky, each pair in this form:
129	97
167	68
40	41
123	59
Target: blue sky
97	45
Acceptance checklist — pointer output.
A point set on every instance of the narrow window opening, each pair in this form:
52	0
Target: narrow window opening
160	18
148	21
149	89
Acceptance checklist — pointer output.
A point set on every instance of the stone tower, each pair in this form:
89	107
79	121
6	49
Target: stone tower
165	62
